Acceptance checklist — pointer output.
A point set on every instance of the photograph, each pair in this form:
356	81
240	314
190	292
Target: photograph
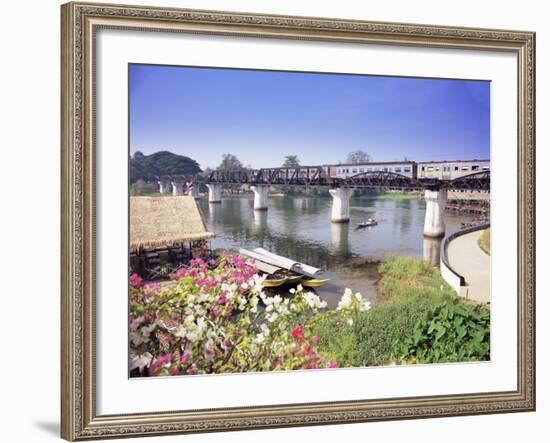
288	220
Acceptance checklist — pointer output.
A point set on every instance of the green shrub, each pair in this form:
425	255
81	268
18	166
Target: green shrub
407	279
368	338
448	333
484	241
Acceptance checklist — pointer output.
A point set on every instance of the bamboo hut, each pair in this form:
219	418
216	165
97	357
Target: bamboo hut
158	222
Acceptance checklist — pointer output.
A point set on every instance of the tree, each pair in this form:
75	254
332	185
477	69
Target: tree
291	161
150	167
230	162
359	156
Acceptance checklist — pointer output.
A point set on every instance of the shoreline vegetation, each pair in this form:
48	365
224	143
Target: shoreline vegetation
215	317
142	188
419	320
484	241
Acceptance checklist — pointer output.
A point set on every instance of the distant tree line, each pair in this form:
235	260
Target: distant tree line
148	167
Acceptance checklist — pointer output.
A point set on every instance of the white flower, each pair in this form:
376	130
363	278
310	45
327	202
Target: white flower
260	338
257	283
201	324
180	332
192	336
292	290
271	318
253	302
314	301
299	288
141	361
265	329
350	321
366	305
242	304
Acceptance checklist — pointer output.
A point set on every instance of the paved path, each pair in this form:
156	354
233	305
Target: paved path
466	257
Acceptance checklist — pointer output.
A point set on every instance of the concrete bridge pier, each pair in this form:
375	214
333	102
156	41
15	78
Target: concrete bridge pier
163	187
193	191
432	250
434	223
177	188
260	197
214	193
340	204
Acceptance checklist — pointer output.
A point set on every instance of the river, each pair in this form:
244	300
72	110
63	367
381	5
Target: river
300	228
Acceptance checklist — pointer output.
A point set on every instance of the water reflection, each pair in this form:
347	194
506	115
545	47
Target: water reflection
260	222
339	239
432	250
214	212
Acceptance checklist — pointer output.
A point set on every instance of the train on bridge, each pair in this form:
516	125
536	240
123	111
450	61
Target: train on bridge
442	170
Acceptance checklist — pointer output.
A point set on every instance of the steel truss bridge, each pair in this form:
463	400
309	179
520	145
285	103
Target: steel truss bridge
317	176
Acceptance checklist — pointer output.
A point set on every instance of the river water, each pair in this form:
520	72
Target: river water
300	228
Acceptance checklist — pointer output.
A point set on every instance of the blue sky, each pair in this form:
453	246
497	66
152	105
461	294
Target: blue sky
261	116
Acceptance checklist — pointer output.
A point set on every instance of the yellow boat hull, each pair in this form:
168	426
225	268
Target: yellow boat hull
316	282
274	283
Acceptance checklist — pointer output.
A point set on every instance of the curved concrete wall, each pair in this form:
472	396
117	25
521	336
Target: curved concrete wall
453	278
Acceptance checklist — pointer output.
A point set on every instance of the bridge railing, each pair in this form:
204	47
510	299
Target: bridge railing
318	176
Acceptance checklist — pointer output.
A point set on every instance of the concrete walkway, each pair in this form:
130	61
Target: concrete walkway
466	258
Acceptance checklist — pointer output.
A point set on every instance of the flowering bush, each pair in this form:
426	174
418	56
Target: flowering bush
211	321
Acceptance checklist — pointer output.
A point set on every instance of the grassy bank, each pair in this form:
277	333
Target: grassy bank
412	291
484	241
397	195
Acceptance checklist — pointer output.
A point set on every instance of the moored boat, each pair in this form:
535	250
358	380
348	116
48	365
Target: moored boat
293	279
315	282
274	282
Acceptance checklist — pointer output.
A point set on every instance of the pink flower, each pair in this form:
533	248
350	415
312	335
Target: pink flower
185	357
209	352
308	350
159	362
332	364
135	280
311	366
315	339
297	333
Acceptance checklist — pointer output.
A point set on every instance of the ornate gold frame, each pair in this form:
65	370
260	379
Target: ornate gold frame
79	22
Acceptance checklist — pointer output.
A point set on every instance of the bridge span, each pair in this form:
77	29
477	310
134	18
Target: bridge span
341	189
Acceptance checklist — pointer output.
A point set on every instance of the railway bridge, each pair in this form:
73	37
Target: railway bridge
341	189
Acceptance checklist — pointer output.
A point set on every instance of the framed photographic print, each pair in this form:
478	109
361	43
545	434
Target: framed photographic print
283	221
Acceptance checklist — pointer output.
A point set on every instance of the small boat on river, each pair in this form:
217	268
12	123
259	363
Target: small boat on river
369	222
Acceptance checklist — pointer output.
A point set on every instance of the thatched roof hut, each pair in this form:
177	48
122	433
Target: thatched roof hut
164	221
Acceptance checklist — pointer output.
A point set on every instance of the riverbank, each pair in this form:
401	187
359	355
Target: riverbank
393	330
484	241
